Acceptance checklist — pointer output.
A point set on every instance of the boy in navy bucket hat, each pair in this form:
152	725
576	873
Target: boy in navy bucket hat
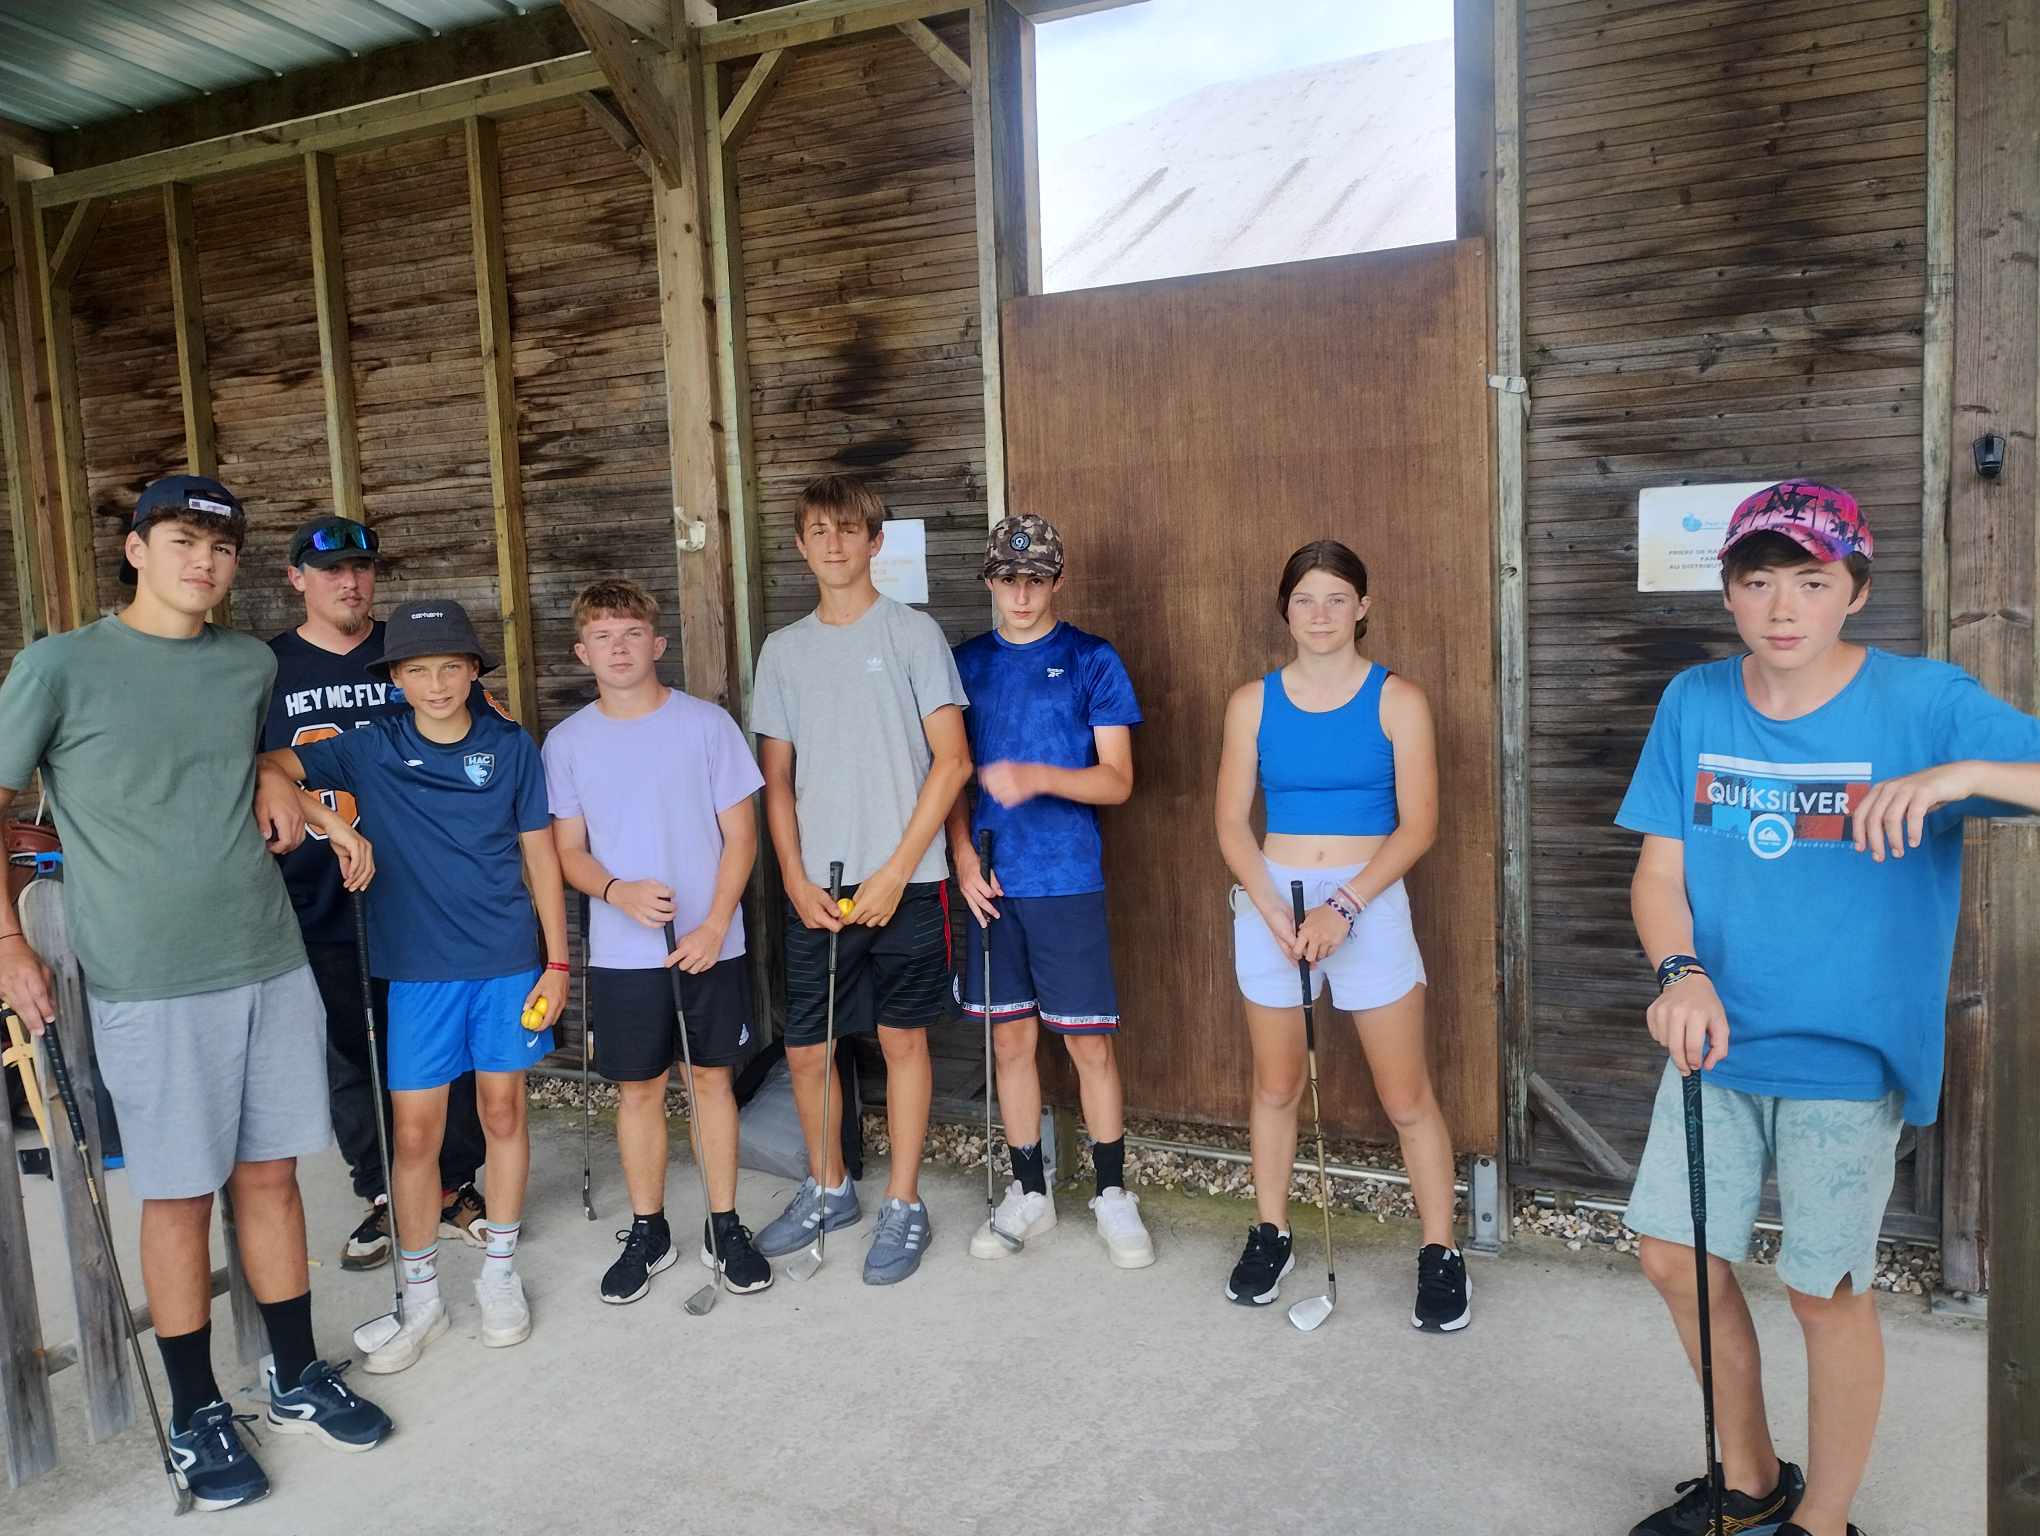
1807	775
457	797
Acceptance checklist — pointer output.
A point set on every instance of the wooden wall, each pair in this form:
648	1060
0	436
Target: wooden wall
1723	279
10	596
859	241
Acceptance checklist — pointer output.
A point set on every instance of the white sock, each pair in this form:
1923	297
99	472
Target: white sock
421	1275
842	1188
501	1251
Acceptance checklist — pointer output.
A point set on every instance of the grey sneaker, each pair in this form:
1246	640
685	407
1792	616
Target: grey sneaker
897	1244
794	1227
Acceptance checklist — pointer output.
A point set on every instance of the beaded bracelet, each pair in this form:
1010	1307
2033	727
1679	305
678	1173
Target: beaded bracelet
1341	902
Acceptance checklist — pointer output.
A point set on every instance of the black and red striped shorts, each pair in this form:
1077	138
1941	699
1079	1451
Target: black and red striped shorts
897	975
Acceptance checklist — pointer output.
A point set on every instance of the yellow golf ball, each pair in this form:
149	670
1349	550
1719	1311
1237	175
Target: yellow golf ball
845	906
530	1019
543	1007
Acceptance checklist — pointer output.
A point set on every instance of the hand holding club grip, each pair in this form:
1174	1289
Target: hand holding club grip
60	1069
1303	966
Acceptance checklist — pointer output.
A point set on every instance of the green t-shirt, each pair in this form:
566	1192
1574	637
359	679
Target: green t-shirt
148	750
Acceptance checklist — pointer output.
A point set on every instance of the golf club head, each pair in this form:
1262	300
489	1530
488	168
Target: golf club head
1307	1314
1013	1244
805	1264
376	1333
587	1200
702	1302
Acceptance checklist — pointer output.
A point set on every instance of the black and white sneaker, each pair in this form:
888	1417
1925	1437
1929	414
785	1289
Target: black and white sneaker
369	1244
1444	1294
1257	1279
647	1249
209	1461
1690	1514
744	1269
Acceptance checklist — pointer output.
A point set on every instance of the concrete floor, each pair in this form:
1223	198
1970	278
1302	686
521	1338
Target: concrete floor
1048	1393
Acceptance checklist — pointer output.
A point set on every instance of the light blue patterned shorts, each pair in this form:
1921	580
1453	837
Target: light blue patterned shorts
1834	1159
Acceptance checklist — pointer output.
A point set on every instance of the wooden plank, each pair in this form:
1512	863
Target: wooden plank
1937	331
650	19
18	139
95	1290
605	114
354	128
923	37
1575	1127
638	71
17	446
1062	10
996	46
34	475
336	366
811	21
499	397
251	1334
1473	95
68	427
75	241
194	375
2012	903
26	1421
730	349
751	96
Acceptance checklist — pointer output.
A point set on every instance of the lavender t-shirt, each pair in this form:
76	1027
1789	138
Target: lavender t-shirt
649	790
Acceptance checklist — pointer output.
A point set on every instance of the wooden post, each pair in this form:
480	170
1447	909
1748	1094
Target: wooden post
102	1340
2012	911
499	407
194	373
1008	227
16	443
1937	322
74	497
34	474
251	1334
336	366
25	1419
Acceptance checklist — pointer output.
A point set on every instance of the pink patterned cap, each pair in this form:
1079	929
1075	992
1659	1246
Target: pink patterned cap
1821	520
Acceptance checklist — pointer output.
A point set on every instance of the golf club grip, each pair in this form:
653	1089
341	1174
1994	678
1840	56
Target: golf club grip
835	880
1696	1156
986	842
60	1069
1302	966
673	943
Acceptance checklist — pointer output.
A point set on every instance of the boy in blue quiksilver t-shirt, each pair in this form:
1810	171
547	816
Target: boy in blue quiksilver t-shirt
1050	724
464	853
1810	780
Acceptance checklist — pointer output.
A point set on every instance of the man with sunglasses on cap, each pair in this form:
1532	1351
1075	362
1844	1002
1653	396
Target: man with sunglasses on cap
205	1016
324	687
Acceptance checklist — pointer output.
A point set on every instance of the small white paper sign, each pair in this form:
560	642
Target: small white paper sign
900	568
1679	529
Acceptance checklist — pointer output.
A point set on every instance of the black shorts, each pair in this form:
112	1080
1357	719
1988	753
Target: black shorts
631	1013
897	975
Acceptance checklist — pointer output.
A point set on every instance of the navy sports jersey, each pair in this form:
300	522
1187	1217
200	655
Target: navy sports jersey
448	901
1039	704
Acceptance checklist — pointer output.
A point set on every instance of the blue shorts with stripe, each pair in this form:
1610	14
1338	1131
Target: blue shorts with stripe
441	1029
1051	956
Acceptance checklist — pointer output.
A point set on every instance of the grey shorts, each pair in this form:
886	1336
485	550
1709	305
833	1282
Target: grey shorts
1834	1158
203	1082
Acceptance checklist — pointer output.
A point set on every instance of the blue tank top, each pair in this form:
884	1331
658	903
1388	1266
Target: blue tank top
1327	773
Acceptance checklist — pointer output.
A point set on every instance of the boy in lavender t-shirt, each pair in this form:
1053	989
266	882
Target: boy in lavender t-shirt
651	799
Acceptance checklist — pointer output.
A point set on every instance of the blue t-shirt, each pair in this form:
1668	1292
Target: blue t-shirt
1039	703
448	901
1832	968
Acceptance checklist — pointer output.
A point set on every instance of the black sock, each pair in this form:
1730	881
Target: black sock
187	1361
290	1337
1028	1169
656	1218
1110	1159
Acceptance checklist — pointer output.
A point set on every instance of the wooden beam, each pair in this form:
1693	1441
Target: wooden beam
16	440
650	19
1062	10
26	1420
32	474
751	97
733	407
1001	52
20	139
2012	900
400	117
605	114
636	69
74	496
75	241
499	407
336	359
1588	1142
811	21
1937	364
194	372
1473	116
468	53
923	37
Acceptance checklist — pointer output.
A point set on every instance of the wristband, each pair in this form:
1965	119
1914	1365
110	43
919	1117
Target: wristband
1351	895
1676	968
557	965
605	889
1341	902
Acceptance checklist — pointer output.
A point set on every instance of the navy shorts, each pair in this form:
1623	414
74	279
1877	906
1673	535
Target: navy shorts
897	975
637	1034
1051	956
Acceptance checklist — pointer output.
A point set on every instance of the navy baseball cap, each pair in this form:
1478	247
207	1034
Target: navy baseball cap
197	497
431	626
326	541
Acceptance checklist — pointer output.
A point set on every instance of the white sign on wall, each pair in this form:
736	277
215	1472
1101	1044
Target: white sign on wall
1679	529
900	568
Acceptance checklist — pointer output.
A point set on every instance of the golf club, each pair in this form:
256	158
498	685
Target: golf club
378	1331
1313	1310
1696	1182
991	1196
803	1266
588	1087
60	1069
702	1302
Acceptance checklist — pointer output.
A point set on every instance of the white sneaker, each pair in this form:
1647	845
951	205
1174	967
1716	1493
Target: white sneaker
422	1324
506	1316
1025	1216
1126	1240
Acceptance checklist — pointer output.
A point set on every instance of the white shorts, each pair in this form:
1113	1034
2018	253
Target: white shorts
1376	965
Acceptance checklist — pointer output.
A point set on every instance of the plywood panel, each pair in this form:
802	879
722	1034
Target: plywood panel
1186	436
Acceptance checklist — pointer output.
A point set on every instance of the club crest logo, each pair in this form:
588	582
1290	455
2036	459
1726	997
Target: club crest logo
1020	543
480	767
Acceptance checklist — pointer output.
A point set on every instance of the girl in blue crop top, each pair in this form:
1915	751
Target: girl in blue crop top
1343	754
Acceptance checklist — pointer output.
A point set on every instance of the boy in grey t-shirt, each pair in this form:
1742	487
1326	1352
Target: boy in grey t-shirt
858	713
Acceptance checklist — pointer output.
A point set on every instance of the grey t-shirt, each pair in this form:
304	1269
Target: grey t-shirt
851	699
148	748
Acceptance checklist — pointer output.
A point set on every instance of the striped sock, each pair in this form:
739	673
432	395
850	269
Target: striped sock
421	1274
502	1247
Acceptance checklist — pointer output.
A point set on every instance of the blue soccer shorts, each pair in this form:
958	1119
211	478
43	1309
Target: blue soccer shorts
1051	956
440	1029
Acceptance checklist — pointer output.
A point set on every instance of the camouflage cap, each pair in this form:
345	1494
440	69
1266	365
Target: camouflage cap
1024	546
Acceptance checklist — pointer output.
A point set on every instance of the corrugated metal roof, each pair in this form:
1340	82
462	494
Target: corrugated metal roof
65	63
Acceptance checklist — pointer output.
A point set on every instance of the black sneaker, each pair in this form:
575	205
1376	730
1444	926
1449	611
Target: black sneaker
1257	1279
647	1249
744	1269
210	1461
1741	1514
369	1244
1789	1529
1444	1294
464	1217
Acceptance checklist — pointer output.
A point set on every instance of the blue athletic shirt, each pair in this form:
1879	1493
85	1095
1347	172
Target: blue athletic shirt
1039	704
1832	968
448	901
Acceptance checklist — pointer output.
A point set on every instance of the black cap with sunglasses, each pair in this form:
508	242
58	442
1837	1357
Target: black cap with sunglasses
326	541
